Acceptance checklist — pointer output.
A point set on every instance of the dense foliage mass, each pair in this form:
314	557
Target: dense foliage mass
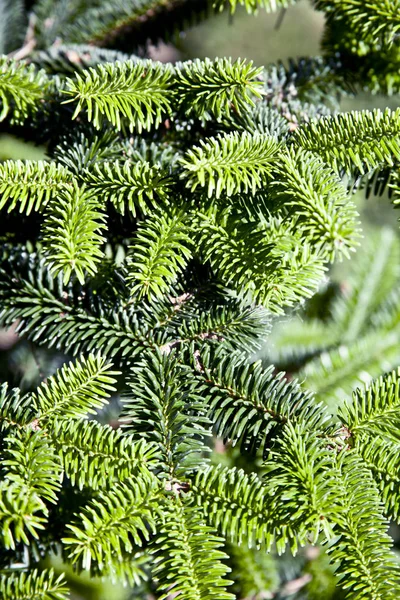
181	209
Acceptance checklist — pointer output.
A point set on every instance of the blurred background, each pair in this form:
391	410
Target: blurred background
265	39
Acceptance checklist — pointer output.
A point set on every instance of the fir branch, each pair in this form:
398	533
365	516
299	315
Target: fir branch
34	584
164	406
366	564
72	237
21	89
235	503
96	455
230	164
302	480
334	373
249	404
316	201
140	92
140	186
113	523
159	252
375	409
31	185
14	409
374	21
29	461
187	556
372	276
77	389
361	141
22	514
216	87
382	458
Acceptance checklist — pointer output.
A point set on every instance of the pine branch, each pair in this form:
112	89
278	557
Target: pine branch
188	557
31	185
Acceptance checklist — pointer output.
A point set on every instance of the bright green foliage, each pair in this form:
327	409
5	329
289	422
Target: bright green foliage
187	552
366	562
75	391
168	410
361	140
21	89
230	164
309	192
139	186
217	87
72	237
134	90
111	523
29	186
44	585
160	251
374	20
253	5
358	337
182	207
95	455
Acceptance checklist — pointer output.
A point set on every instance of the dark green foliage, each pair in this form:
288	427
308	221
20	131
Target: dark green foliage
180	208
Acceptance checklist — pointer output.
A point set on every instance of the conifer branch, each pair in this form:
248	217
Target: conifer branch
139	92
187	558
159	252
113	523
96	455
230	164
216	87
76	389
21	89
139	186
72	237
34	584
31	185
357	141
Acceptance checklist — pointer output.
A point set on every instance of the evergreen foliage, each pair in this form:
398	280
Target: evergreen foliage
180	209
